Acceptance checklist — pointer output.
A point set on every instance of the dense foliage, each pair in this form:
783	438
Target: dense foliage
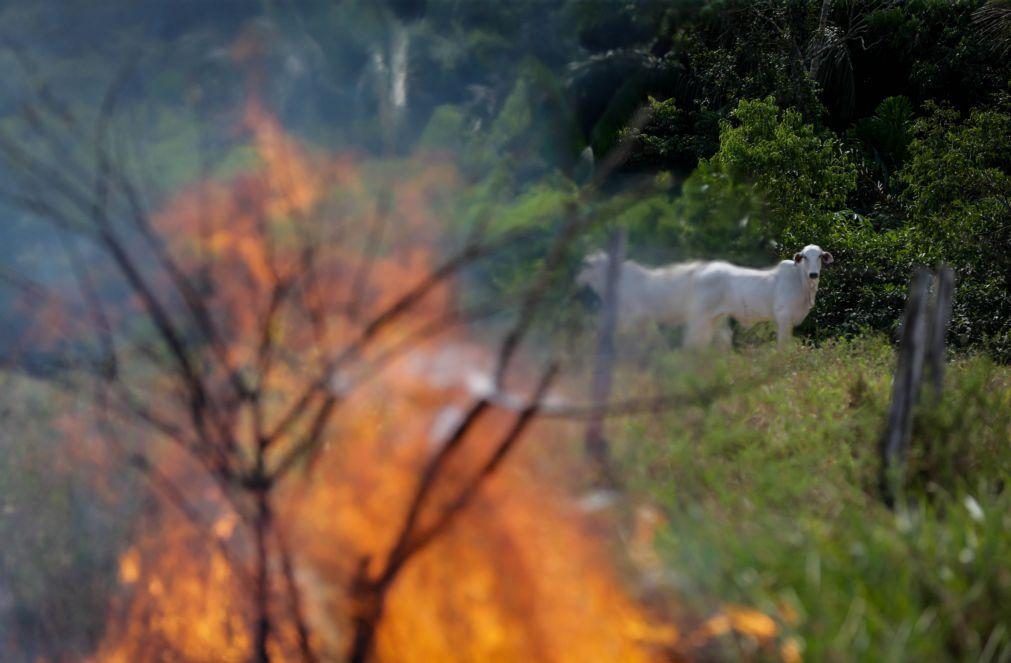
875	129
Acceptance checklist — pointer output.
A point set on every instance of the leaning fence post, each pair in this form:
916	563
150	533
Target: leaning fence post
596	444
924	327
940	316
906	383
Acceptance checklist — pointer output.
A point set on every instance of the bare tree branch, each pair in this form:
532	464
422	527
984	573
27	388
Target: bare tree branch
294	598
370	593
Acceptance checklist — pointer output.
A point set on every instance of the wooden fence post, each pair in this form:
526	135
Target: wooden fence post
924	327
597	447
940	317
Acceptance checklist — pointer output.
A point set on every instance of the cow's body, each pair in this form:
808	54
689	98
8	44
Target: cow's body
703	295
645	294
783	294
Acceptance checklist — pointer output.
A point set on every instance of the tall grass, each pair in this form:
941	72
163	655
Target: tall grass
770	499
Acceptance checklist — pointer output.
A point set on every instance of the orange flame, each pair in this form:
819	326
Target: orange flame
520	576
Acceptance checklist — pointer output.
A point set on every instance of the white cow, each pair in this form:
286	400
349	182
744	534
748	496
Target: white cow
702	296
645	294
783	294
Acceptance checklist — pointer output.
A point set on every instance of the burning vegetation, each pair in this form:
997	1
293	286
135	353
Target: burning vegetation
339	470
335	486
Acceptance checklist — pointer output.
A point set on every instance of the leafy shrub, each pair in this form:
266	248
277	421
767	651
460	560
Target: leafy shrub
866	287
775	182
958	189
886	135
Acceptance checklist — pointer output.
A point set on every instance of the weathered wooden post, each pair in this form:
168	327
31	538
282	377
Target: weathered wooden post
940	317
596	444
924	327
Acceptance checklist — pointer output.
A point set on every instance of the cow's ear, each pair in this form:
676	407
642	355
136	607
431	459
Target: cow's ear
797	257
826	258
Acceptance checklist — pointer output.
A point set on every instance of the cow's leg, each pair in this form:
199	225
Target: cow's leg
640	344
699	333
724	334
784	331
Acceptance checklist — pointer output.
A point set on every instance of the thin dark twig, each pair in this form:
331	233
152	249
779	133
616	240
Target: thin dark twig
429	478
311	299
96	210
195	303
398	308
576	221
177	499
635	406
44	175
425	332
160	481
311	440
596	444
294	598
370	592
46	212
202	406
508	441
265	349
306	447
94	303
263	627
32	72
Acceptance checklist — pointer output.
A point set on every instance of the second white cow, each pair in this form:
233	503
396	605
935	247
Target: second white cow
645	294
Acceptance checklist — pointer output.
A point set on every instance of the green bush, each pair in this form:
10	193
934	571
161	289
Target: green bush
958	191
773	186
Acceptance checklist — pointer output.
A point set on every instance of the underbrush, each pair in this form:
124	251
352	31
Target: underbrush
770	496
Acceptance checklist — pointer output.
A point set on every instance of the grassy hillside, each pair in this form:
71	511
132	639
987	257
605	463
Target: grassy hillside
770	500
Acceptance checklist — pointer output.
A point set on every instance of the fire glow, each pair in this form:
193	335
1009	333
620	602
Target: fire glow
519	575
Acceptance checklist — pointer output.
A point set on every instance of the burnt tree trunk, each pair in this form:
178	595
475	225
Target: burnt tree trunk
597	447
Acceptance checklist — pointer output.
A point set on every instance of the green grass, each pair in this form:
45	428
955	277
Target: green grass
771	501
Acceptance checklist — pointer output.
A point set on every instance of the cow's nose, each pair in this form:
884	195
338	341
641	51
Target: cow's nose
813	275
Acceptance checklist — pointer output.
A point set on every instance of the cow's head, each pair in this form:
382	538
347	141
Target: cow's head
811	259
591	273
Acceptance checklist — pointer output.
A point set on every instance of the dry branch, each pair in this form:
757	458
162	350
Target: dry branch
369	592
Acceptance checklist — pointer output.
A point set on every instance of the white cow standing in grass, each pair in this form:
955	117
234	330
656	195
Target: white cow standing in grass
783	294
645	294
702	296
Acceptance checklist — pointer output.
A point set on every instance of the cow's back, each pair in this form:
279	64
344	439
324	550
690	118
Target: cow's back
723	289
662	293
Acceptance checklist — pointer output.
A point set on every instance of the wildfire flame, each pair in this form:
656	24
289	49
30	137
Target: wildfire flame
521	575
